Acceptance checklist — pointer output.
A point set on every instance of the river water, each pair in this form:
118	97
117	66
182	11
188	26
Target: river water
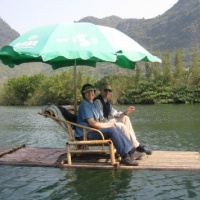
160	127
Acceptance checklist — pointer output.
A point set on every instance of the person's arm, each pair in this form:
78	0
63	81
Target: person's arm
99	125
115	113
129	110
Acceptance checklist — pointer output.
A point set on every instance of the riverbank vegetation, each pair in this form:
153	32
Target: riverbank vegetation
154	83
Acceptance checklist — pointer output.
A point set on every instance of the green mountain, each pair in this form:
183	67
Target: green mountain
179	27
7	34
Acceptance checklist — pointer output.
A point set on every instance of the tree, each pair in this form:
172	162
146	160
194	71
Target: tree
194	72
156	72
179	67
148	71
167	72
138	75
17	91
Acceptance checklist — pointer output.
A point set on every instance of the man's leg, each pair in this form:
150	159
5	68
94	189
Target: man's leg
126	120
130	136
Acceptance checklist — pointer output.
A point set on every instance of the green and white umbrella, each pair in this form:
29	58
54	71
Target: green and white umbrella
72	44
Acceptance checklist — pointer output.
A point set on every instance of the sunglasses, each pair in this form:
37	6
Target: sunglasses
107	90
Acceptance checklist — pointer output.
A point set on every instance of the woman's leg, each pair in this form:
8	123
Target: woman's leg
120	141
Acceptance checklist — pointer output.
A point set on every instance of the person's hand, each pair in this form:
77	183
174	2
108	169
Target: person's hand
108	124
111	124
129	110
113	120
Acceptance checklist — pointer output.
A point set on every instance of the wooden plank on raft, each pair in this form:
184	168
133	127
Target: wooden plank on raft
6	150
53	157
30	156
159	160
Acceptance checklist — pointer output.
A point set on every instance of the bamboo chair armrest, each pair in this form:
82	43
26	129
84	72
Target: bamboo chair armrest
74	124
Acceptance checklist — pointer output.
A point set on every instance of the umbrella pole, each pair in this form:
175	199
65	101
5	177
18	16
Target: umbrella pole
75	86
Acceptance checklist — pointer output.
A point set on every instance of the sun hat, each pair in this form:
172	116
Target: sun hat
87	87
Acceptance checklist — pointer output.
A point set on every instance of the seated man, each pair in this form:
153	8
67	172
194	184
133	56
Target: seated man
120	119
89	115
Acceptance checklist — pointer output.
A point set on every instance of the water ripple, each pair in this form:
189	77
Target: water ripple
159	127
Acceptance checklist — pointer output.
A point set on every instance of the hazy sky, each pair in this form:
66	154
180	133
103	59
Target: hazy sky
23	15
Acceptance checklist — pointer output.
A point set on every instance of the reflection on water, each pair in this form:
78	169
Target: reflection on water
50	183
161	127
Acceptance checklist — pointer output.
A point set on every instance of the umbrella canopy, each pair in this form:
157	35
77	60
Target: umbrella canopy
62	45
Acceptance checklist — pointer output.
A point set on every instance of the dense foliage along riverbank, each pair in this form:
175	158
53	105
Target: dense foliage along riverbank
154	84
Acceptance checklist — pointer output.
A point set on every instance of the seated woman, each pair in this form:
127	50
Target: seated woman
89	115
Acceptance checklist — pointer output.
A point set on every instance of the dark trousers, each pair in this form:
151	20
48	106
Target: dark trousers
122	144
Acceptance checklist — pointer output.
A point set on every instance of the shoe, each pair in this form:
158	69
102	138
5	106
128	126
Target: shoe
136	155
142	149
127	160
148	151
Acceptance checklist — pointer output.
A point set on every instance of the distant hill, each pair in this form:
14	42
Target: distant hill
177	28
7	34
111	21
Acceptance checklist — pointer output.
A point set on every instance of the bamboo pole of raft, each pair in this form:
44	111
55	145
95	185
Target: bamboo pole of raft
11	150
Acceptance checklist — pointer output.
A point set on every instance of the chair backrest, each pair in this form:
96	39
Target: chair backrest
67	125
60	115
67	114
55	112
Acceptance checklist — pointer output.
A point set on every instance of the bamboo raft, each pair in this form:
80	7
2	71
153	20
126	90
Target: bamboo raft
55	157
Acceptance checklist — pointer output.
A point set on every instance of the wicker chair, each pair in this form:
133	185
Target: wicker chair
73	146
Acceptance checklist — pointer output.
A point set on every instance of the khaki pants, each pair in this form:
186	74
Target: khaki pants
125	125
